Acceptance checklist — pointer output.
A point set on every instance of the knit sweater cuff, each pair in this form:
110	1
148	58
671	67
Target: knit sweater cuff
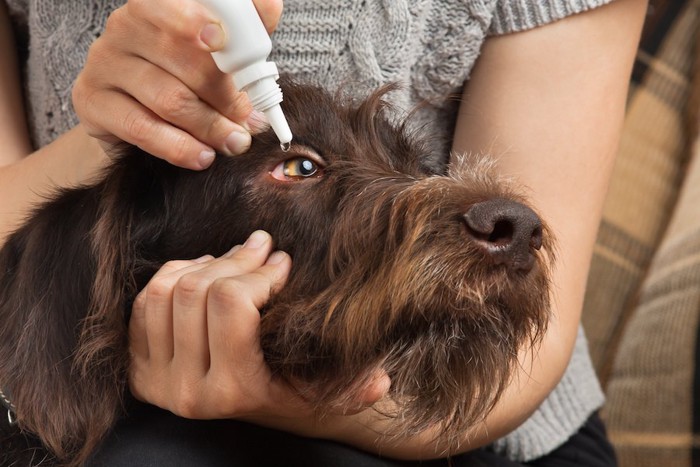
519	15
561	415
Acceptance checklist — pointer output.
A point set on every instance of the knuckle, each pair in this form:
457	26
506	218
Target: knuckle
239	106
79	86
182	16
137	383
85	105
192	285
115	21
139	126
180	151
139	302
174	265
226	391
100	52
226	291
190	18
137	7
158	289
78	94
175	102
88	81
190	14
186	401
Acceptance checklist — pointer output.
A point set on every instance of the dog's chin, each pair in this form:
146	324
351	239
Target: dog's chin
448	353
444	322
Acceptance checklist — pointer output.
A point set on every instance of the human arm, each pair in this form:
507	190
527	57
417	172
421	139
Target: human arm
596	46
73	158
554	126
548	103
107	101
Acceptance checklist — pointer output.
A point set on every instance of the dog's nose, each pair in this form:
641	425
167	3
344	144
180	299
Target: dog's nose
507	230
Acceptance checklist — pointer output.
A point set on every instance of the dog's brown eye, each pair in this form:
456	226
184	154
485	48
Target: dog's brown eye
305	164
299	167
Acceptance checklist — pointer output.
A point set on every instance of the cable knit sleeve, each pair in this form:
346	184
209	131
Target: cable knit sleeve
453	34
519	15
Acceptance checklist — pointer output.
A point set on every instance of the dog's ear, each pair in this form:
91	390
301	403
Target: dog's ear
62	326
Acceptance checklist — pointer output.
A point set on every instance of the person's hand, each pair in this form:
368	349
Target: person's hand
194	333
194	339
150	80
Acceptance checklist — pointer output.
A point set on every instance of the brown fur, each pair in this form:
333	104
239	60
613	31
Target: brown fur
383	275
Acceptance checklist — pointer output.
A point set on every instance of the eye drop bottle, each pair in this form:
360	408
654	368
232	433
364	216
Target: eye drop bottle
244	56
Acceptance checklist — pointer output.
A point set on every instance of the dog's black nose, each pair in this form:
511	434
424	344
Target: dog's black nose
507	230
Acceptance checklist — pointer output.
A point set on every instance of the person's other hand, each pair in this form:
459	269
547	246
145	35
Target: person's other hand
194	340
150	80
194	335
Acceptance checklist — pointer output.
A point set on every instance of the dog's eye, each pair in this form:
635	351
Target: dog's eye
299	167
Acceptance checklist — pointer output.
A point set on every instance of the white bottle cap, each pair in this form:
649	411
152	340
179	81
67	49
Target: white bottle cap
259	80
244	56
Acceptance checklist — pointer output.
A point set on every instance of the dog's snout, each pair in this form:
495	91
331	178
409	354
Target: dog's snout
507	230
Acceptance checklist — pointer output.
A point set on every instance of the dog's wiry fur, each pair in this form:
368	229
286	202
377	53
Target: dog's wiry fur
383	275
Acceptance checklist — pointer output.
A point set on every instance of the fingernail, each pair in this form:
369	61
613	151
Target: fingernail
238	142
257	239
206	158
276	258
257	122
213	36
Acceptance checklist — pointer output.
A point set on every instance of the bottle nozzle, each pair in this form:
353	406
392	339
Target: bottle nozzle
279	125
260	82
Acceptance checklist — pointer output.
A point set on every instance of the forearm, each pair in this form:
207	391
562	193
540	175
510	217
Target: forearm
550	109
25	179
73	159
548	104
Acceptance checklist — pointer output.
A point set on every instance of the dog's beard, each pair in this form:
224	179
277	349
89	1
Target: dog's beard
408	292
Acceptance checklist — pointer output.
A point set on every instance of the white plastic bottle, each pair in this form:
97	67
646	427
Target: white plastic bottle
244	56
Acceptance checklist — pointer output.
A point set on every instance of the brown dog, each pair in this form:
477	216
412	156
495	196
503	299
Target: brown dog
432	273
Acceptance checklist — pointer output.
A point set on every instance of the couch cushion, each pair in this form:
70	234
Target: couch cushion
648	173
653	408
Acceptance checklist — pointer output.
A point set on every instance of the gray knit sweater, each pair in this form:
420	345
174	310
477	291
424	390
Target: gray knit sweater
429	45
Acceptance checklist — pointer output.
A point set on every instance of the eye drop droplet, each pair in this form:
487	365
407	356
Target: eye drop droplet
286	146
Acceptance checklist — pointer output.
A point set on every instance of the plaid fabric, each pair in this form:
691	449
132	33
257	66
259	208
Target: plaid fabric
649	170
643	303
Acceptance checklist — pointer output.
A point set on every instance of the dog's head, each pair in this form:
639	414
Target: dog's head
436	273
